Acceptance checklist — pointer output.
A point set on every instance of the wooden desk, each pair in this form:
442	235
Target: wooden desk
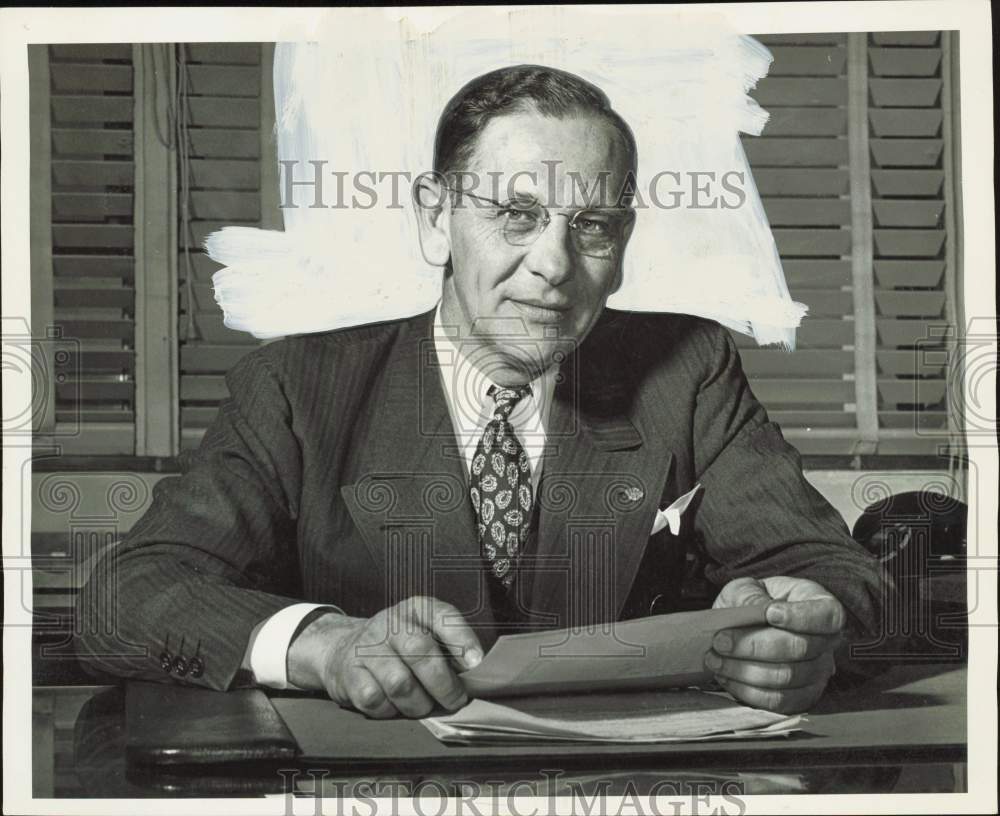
903	733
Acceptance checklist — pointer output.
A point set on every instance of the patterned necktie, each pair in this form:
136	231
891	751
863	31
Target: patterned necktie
500	488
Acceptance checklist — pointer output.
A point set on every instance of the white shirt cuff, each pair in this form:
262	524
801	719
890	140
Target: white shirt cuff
269	650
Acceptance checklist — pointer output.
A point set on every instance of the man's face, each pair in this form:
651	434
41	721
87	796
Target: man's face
521	304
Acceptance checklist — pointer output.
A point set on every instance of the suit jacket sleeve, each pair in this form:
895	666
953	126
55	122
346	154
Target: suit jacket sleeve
216	552
759	516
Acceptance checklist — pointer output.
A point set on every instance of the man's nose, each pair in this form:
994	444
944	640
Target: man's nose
551	255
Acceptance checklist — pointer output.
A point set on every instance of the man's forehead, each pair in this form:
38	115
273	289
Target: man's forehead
530	154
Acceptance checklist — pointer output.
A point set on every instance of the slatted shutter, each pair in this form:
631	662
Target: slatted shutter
800	165
855	170
222	170
911	248
92	109
845	390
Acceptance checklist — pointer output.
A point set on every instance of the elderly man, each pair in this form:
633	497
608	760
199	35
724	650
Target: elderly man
373	506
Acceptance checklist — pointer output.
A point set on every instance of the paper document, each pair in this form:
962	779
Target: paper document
632	717
662	651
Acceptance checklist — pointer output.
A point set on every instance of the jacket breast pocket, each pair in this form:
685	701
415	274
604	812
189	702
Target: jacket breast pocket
660	578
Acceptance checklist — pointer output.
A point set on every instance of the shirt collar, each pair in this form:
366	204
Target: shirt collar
464	381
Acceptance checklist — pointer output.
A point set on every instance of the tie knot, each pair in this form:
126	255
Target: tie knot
506	398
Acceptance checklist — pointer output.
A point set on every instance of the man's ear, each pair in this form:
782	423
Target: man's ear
430	200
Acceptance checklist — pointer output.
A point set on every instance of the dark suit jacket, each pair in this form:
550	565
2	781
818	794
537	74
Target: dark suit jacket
332	475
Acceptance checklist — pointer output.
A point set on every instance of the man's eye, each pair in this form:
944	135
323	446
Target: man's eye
518	217
594	226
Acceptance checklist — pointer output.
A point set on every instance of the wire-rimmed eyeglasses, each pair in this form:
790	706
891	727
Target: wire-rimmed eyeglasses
596	232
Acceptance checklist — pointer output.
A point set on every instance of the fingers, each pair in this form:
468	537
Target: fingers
782	701
771	645
796	604
400	686
449	629
788	588
742	592
430	666
771	675
773	669
394	662
785	666
822	615
366	694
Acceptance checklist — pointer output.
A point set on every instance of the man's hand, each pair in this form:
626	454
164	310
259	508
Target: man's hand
396	662
783	667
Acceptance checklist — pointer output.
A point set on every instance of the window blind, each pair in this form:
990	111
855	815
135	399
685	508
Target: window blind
800	165
845	390
911	242
92	108
827	148
855	170
219	185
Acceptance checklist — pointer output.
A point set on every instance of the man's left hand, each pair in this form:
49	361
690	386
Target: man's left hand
785	666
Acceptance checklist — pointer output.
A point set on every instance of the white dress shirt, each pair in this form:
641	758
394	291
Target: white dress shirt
466	390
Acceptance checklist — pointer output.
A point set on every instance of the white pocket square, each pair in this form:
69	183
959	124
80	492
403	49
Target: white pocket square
671	516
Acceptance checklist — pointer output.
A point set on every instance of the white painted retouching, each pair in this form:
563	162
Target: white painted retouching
364	96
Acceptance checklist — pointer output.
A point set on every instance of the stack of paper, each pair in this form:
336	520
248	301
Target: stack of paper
608	684
636	717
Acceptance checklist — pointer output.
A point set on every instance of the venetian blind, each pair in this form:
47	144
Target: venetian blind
855	175
92	106
912	248
853	172
800	164
219	185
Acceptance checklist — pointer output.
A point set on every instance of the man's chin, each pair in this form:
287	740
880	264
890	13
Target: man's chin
516	350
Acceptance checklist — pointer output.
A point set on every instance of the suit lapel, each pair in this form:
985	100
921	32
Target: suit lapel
600	488
410	497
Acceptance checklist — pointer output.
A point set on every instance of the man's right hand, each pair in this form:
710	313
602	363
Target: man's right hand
398	662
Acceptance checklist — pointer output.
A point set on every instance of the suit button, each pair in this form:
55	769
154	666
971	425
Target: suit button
166	662
196	666
180	665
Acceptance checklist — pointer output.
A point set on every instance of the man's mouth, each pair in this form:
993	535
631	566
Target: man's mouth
542	312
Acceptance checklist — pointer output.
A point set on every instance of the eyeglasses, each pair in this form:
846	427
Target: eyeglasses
596	233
